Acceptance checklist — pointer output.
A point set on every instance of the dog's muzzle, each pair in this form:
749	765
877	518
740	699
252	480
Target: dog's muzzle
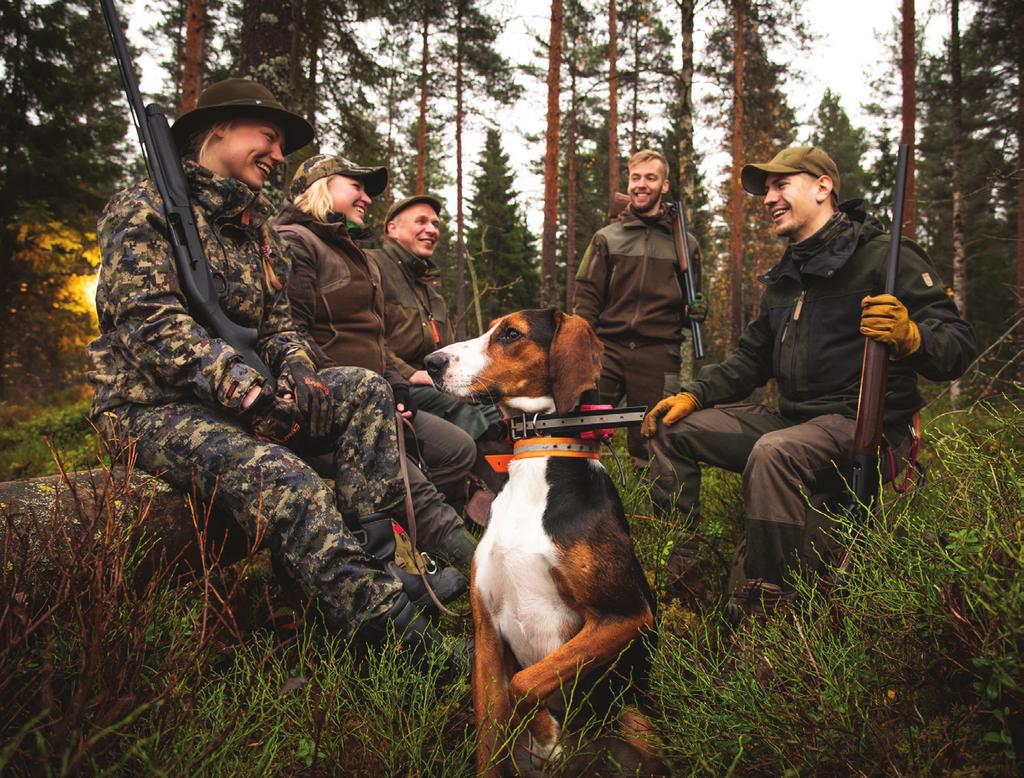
436	363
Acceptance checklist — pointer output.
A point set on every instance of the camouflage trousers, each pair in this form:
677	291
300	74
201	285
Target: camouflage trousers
273	494
781	461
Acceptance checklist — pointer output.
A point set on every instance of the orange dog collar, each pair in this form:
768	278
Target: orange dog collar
533	448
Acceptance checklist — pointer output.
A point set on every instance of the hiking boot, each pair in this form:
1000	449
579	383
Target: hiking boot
757	599
682	575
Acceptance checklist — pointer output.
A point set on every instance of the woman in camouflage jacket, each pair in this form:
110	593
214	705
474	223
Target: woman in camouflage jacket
186	399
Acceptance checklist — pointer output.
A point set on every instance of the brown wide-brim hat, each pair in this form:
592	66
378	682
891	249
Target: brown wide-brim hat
375	179
796	159
235	97
401	205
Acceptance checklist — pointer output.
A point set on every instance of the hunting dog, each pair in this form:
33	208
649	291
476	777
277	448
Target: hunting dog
561	607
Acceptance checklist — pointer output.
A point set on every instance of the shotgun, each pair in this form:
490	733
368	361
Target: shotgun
867	438
690	288
164	164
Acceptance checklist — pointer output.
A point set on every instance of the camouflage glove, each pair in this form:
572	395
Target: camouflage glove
273	415
698	309
312	397
885	319
673	408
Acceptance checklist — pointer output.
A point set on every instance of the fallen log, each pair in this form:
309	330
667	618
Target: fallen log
172	527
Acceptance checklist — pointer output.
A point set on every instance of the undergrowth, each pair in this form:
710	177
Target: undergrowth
910	663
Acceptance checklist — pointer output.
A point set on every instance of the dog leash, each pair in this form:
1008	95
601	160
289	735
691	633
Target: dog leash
410	514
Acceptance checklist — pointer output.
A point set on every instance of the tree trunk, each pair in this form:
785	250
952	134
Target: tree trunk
570	199
908	73
687	172
613	100
460	243
547	289
1019	50
195	46
959	253
736	195
634	130
421	128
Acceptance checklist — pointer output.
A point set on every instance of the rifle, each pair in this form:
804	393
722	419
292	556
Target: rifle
867	438
690	288
164	164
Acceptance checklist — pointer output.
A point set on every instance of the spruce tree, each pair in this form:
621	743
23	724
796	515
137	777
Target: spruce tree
846	144
498	241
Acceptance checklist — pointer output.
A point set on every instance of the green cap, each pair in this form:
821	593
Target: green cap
375	179
401	205
234	97
796	159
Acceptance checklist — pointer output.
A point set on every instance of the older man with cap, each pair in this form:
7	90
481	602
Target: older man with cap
416	316
336	300
820	300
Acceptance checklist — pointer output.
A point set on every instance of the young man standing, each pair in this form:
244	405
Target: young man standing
629	289
820	301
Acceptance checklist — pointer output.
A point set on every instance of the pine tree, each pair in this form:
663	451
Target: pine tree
548	292
846	144
646	77
498	239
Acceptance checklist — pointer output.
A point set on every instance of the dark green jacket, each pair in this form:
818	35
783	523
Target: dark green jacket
411	303
628	285
150	350
815	354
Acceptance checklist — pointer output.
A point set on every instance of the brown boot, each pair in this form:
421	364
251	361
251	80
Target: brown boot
683	579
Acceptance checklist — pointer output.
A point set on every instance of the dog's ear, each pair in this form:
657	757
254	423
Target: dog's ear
574	361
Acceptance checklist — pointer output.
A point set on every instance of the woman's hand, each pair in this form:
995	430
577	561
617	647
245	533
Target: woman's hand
421	378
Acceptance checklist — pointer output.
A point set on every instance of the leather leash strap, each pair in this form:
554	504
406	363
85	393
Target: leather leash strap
410	514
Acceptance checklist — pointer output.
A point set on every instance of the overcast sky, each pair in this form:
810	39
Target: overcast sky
847	55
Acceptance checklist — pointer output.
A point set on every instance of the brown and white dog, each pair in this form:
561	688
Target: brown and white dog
561	606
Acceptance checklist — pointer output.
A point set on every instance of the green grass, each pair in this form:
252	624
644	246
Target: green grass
31	434
910	664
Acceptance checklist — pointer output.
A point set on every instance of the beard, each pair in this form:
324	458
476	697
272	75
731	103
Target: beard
651	208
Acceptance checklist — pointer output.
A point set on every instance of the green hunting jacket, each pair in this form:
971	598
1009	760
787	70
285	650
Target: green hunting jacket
411	303
628	285
150	350
807	331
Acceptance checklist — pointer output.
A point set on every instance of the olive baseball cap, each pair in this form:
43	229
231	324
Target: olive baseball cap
234	97
375	179
401	205
796	159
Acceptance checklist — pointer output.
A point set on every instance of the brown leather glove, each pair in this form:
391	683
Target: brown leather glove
673	408
886	319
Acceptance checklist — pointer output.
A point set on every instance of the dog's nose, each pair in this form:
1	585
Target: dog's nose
435	364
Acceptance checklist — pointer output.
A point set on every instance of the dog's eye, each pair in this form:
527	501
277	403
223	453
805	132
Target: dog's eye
509	335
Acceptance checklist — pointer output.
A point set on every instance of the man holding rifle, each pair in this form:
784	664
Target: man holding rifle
629	288
820	302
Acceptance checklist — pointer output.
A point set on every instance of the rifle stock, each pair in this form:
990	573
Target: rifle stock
164	165
867	439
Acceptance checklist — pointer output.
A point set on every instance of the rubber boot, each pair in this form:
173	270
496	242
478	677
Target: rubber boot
416	633
376	534
458	548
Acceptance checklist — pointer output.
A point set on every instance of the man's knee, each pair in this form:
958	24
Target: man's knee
348	382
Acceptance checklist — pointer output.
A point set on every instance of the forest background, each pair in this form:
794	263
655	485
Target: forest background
403	83
911	663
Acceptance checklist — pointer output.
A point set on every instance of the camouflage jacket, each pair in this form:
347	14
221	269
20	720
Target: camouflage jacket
628	284
150	350
414	310
807	332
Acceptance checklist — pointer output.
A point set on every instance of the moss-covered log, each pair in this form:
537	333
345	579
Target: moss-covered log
166	522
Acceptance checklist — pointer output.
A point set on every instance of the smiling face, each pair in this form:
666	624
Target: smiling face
247	150
648	181
349	198
417	228
798	204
